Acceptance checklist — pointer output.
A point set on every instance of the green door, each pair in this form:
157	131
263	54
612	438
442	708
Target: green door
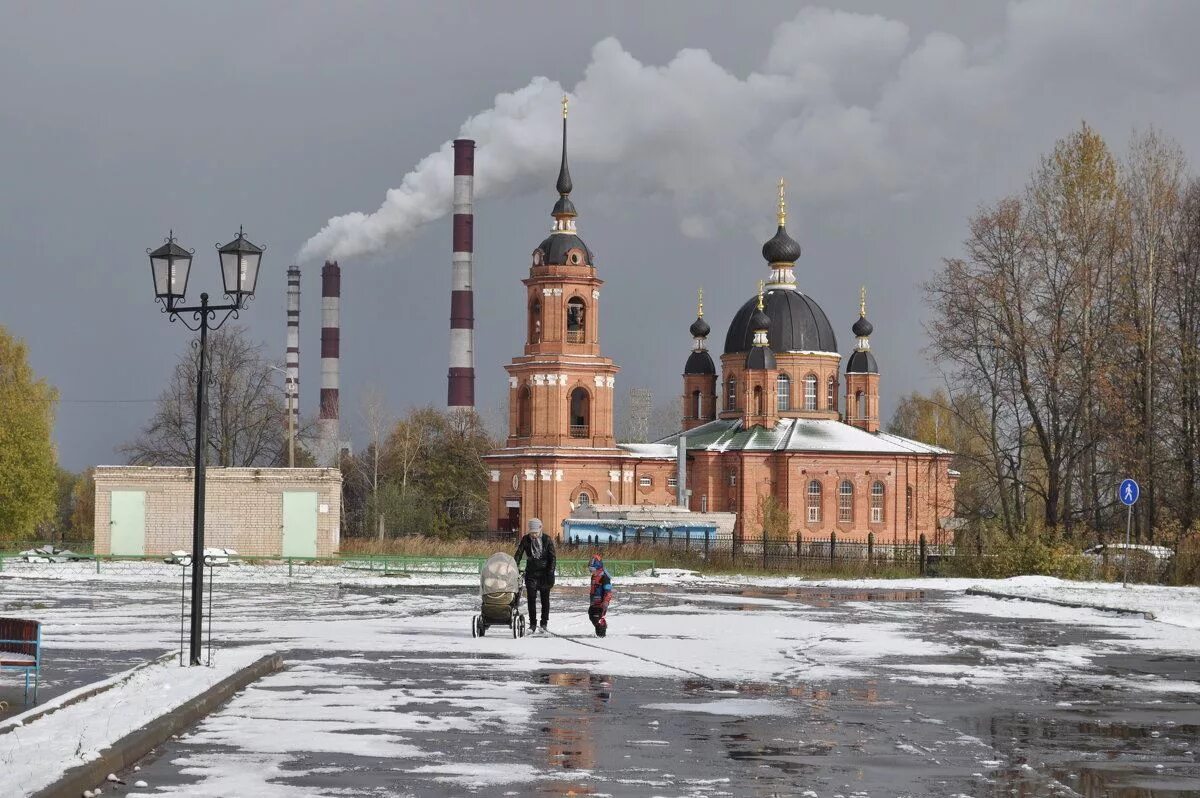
299	524
128	522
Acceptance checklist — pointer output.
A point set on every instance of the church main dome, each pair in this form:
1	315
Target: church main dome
797	324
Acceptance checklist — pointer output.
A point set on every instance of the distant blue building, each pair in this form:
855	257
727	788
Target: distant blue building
598	525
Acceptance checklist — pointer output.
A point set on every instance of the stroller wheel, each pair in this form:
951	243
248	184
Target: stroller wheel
520	626
474	626
480	626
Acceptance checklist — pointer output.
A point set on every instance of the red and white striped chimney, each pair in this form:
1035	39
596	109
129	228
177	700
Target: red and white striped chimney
328	429
292	358
461	389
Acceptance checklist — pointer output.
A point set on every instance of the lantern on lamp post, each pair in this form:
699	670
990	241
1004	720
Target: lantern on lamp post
170	266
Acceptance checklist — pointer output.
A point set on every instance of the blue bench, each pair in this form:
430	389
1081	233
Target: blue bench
21	649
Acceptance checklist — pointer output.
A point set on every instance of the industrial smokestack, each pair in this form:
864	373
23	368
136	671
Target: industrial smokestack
461	389
328	428
292	359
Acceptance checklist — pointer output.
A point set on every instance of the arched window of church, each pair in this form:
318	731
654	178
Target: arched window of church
814	501
696	405
810	392
584	499
580	413
860	405
907	503
535	322
524	412
846	501
831	394
783	390
758	400
576	325
877	491
731	396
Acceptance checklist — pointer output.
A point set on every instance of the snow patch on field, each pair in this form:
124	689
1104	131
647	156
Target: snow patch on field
1179	606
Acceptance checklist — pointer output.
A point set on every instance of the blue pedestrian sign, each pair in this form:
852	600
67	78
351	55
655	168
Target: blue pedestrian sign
1128	492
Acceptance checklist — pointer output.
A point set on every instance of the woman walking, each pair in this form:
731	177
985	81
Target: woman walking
539	571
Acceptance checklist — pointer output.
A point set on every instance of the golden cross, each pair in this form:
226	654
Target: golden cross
700	311
782	205
564	105
761	283
862	302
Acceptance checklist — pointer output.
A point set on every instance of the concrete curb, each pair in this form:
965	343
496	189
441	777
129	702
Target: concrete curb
135	745
978	591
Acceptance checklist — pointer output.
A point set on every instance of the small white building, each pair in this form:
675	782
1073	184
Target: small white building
259	512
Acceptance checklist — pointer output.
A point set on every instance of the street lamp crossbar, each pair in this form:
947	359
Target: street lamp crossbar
170	265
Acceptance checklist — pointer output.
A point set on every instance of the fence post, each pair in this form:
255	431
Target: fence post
764	548
870	549
799	548
921	552
706	544
289	567
832	547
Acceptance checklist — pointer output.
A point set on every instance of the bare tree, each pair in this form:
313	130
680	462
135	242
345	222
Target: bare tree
1152	184
247	423
378	420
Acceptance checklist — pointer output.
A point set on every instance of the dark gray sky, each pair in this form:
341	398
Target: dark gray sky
121	120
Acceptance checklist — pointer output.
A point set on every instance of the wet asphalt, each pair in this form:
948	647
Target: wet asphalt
1085	731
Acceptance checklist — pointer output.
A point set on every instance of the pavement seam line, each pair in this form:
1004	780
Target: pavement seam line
1074	605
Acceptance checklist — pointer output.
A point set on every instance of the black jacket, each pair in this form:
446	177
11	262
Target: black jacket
539	568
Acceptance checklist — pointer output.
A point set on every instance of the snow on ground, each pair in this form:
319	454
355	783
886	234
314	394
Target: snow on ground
39	746
329	704
1179	606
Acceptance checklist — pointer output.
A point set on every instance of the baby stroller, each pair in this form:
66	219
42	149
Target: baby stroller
500	589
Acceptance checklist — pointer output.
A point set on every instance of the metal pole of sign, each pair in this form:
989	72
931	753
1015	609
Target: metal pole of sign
1128	524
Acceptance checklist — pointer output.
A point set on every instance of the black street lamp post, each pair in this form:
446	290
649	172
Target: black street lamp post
169	266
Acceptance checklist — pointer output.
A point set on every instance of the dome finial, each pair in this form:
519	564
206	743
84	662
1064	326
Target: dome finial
862	302
782	205
761	283
700	303
564	174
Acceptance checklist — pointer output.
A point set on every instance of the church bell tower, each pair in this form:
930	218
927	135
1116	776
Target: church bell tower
561	389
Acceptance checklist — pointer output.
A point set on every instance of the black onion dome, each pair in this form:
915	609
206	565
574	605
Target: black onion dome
699	362
760	357
759	320
782	248
797	324
862	362
862	328
699	328
557	245
564	207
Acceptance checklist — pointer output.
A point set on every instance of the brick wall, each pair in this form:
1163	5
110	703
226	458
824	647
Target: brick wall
243	507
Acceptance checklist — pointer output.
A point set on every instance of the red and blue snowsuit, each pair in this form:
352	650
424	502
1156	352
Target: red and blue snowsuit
599	595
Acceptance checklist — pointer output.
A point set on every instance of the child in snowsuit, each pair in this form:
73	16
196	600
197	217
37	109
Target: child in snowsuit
599	595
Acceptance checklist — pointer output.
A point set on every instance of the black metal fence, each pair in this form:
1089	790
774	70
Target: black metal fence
800	553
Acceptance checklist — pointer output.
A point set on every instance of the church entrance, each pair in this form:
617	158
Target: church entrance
513	522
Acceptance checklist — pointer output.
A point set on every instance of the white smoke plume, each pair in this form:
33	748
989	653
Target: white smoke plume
844	105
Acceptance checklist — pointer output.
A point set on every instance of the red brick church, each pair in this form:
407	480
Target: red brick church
772	423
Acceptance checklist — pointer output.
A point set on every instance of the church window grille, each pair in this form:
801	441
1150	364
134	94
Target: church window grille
831	394
783	390
731	395
810	392
877	493
846	501
814	501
